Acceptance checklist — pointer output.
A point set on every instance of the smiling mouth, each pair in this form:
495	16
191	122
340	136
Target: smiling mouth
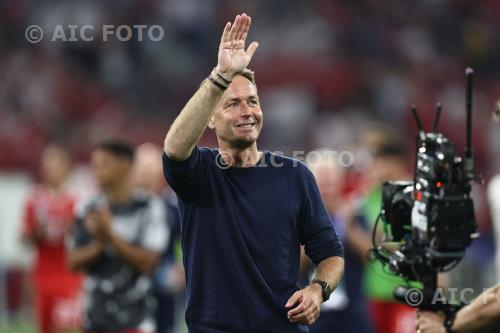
247	125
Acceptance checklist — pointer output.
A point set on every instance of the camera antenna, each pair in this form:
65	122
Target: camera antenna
418	139
437	115
469	160
421	132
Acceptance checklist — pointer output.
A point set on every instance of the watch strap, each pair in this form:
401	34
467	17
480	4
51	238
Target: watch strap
326	290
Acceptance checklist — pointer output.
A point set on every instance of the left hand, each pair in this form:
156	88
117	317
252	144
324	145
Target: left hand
103	225
309	301
430	322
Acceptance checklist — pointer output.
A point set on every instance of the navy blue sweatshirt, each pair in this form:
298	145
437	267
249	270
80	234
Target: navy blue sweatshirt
241	235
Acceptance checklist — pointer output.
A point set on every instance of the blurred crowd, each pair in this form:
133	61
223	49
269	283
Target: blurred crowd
337	74
320	64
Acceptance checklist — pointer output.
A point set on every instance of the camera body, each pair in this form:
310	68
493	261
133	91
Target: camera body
433	216
429	223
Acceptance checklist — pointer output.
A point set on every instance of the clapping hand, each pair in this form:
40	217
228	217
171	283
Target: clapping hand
98	223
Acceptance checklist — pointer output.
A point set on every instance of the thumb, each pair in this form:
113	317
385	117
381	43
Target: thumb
252	48
296	297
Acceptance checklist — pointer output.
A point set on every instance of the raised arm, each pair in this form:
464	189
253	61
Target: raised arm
194	117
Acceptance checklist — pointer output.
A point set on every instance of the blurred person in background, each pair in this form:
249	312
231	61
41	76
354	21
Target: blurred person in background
494	204
47	220
390	162
346	311
117	241
169	282
494	201
245	213
392	53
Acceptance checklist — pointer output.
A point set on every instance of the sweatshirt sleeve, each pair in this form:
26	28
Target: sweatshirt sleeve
185	177
317	231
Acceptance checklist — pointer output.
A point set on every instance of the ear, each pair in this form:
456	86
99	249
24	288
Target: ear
211	122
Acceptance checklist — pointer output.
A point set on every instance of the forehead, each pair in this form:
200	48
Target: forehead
101	154
54	152
240	87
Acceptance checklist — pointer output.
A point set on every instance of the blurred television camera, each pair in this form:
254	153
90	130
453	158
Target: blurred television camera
429	222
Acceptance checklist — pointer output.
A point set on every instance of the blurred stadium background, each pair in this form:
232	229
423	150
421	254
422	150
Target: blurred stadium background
325	69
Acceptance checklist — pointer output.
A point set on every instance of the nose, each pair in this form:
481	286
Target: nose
245	110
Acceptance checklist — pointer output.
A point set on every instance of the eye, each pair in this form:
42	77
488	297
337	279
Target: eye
231	104
252	102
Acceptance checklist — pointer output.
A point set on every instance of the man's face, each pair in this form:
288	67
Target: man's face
237	119
147	170
55	165
108	168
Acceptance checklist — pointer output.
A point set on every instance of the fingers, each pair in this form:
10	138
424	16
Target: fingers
91	215
243	27
103	222
251	49
420	313
238	31
302	307
424	326
308	317
306	313
246	28
90	222
225	33
296	297
234	29
103	213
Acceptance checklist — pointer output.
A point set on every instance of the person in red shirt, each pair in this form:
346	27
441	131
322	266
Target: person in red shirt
47	219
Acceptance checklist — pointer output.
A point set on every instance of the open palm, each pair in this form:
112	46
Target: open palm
232	57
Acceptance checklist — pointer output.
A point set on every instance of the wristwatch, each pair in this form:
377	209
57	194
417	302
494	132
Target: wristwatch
326	290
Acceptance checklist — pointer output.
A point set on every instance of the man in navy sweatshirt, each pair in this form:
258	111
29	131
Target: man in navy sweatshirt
244	212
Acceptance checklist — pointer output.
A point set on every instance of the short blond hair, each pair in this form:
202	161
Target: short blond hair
246	73
249	75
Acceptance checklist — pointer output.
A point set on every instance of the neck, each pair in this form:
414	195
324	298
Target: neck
239	157
120	192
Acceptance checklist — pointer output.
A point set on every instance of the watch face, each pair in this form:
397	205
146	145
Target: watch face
327	292
325	289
